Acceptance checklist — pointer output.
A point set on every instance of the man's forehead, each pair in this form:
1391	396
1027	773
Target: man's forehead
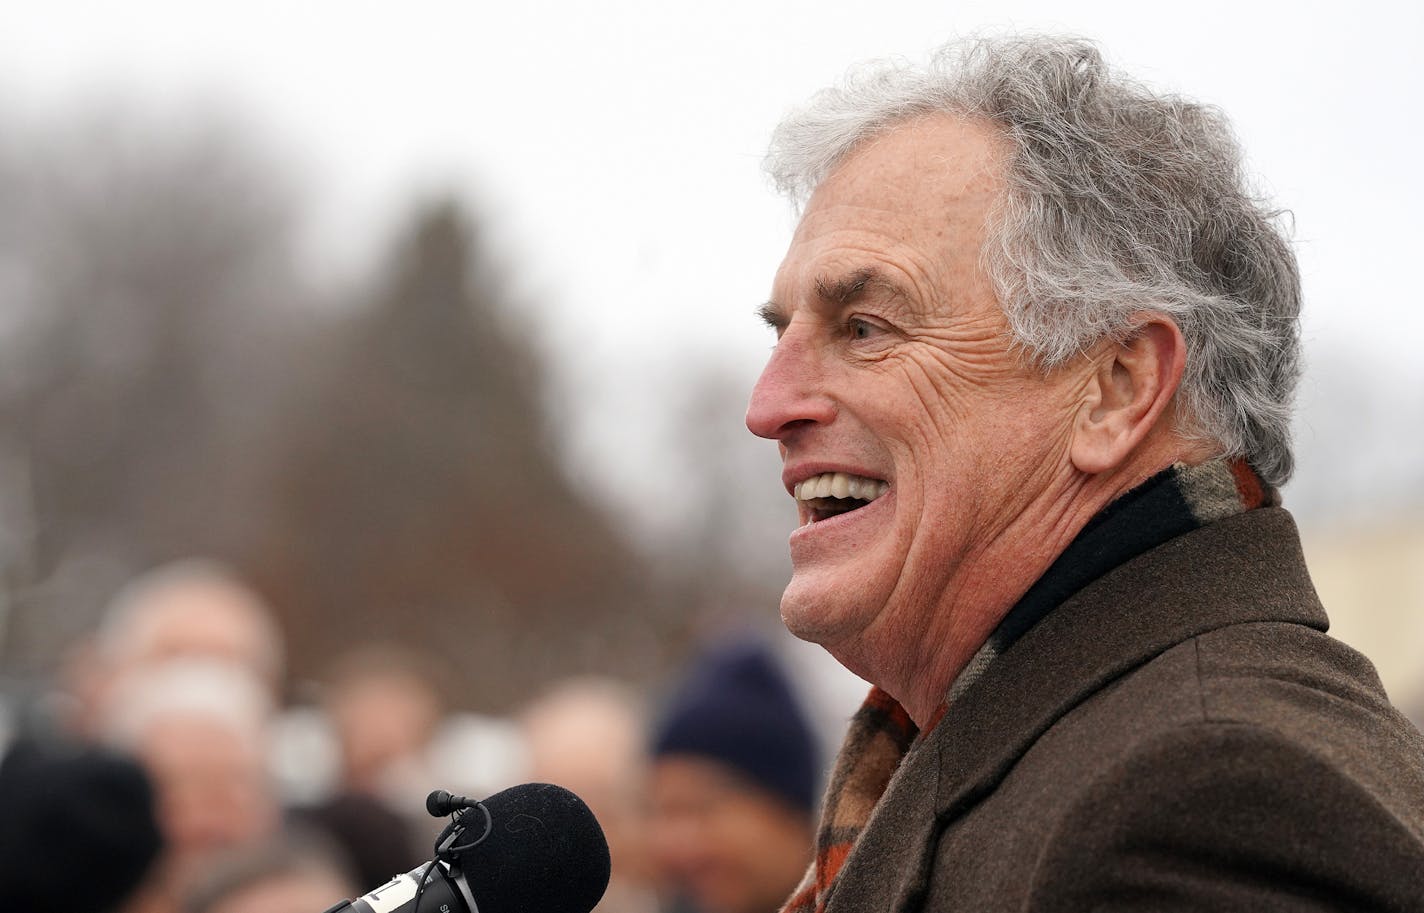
850	220
911	205
911	177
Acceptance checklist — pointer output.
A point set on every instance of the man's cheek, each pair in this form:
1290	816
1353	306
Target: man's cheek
945	390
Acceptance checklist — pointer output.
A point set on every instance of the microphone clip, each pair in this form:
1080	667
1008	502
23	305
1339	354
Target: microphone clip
451	842
449	850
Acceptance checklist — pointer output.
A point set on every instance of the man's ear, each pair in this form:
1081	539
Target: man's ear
1132	384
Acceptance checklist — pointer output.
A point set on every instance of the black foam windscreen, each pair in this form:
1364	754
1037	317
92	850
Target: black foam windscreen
545	853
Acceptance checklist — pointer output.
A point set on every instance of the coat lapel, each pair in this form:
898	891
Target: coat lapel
1244	568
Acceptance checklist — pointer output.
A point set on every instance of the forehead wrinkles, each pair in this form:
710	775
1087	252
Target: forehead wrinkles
933	281
913	203
814	263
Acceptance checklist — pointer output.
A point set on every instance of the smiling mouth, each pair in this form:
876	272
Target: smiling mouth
833	493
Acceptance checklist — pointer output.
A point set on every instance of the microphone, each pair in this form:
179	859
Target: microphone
440	803
534	847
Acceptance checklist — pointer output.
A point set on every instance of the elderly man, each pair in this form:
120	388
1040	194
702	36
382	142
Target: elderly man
1036	344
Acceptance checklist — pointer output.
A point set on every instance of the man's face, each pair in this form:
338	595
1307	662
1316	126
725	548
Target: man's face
893	384
212	787
720	842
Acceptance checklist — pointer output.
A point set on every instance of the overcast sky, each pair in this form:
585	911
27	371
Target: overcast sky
613	147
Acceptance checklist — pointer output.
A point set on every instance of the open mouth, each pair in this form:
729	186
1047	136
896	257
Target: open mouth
833	493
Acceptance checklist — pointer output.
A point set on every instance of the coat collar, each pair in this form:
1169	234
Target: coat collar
1243	568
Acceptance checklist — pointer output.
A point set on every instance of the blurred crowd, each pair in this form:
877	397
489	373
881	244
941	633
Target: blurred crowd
168	769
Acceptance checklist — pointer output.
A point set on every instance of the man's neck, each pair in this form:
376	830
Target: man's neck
988	585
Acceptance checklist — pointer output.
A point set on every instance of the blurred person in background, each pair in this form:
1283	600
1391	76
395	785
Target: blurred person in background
199	728
384	707
292	874
588	735
78	832
377	843
189	609
733	786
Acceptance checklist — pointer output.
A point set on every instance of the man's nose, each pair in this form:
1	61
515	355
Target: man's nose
790	394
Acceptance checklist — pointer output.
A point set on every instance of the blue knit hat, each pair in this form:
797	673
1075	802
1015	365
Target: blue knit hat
737	707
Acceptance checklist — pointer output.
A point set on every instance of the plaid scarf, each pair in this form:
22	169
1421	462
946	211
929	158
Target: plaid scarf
1175	501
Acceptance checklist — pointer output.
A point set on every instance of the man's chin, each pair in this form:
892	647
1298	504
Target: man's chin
818	611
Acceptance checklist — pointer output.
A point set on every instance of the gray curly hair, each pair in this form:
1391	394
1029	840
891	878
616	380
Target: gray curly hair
1118	201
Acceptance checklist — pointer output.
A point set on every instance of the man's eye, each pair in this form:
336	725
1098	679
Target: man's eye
860	328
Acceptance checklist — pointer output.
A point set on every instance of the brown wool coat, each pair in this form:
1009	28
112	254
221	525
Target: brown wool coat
1180	735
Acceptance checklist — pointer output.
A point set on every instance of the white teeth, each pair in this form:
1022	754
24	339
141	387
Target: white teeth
839	485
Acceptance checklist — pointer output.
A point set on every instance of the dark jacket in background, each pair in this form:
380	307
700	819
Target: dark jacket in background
78	828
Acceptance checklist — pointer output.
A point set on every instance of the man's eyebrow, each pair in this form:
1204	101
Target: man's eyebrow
847	289
772	315
835	292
